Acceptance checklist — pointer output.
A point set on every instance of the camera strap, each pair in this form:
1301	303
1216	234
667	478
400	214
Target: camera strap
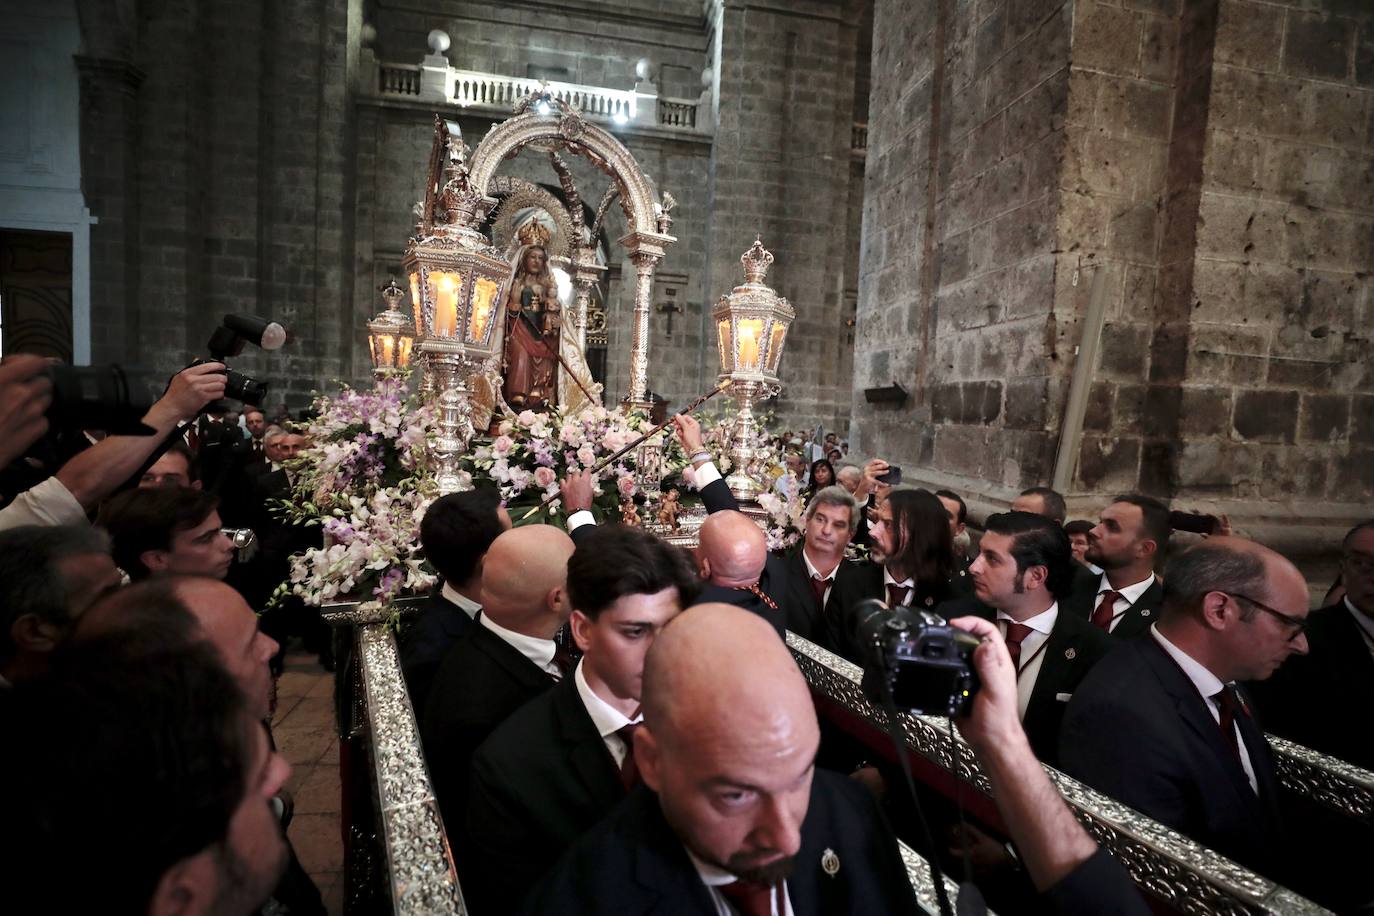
937	875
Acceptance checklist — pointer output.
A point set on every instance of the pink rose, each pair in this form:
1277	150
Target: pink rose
502	445
626	486
587	455
543	476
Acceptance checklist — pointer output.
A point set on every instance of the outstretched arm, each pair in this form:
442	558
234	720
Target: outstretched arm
99	470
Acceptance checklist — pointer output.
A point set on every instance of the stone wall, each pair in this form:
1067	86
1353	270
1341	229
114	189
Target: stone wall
1212	159
220	172
780	169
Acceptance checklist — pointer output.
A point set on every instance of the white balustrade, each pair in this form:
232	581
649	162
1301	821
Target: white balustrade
496	93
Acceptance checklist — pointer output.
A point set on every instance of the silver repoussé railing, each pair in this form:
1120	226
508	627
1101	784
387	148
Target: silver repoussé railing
1167	865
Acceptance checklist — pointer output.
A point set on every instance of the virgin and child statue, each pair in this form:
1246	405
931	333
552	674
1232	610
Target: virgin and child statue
539	365
533	326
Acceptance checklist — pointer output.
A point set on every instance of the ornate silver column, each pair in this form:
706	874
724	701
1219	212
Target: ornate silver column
639	347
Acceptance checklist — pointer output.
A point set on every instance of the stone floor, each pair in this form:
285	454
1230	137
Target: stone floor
304	730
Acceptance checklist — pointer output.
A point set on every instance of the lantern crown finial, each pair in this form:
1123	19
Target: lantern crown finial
756	262
392	294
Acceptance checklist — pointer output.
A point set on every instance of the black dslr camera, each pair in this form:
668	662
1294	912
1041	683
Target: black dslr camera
228	340
95	397
926	664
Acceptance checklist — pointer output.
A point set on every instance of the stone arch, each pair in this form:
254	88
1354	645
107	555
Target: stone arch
570	129
564	128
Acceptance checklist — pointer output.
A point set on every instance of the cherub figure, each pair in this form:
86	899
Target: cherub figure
668	510
629	513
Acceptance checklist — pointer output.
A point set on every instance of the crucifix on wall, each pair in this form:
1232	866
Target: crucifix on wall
670	308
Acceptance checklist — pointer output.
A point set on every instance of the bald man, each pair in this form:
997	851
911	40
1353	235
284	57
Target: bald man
1159	723
508	659
735	564
733	817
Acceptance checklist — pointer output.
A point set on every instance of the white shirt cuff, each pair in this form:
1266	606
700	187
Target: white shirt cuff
581	517
47	503
706	474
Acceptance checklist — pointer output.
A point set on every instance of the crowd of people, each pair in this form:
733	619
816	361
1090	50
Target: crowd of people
615	724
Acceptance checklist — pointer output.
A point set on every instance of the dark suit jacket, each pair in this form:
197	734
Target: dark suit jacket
1099	886
429	638
632	863
867	582
1139	617
481	681
1310	698
1139	731
541	780
1074	647
772	583
804	617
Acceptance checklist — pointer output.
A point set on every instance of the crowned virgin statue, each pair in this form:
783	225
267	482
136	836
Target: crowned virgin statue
539	365
533	325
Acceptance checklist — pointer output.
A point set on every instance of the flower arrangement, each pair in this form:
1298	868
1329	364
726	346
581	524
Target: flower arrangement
533	451
366	479
786	516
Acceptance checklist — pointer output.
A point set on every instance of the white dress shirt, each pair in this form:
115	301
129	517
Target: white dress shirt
1207	684
907	584
607	719
1362	621
1129	596
815	573
1032	651
469	606
714	878
539	651
46	503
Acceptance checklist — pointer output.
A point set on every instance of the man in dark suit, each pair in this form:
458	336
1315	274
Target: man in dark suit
732	807
1024	567
1130	536
455	533
565	759
819	563
508	658
1311	698
736	567
1160	725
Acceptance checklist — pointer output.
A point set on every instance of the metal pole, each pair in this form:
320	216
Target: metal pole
1071	428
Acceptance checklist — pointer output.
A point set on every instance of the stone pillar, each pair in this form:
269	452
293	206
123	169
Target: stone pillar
109	172
780	167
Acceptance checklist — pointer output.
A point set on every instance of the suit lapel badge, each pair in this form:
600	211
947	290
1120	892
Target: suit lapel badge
1144	612
830	863
1071	653
929	602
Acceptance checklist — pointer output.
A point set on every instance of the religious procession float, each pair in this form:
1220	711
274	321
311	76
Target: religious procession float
482	380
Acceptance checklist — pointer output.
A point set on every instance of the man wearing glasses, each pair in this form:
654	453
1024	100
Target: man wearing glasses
1160	724
1310	700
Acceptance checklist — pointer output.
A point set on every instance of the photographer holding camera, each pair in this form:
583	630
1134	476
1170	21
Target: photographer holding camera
79	485
1063	862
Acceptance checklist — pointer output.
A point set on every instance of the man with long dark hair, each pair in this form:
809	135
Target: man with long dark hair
913	564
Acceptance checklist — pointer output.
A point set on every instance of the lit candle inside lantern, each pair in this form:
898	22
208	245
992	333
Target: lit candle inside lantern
749	330
775	345
415	300
484	295
388	360
445	304
403	353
